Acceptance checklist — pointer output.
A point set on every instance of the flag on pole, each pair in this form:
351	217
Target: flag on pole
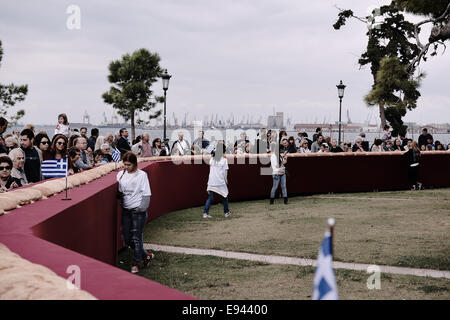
325	287
116	155
54	168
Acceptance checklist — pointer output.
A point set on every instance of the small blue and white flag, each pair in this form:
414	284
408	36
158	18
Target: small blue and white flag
54	168
116	155
325	287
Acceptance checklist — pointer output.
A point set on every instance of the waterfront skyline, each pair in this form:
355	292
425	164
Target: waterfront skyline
243	57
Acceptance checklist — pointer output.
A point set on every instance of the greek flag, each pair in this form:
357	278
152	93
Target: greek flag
116	155
325	287
54	168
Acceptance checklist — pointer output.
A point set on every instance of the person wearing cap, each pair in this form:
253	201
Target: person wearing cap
324	147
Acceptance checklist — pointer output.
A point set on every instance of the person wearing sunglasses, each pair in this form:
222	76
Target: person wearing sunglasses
159	149
304	147
58	149
7	182
42	142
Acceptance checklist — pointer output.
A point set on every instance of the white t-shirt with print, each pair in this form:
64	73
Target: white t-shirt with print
217	181
134	186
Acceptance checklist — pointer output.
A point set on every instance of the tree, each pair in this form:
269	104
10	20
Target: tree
395	91
10	95
394	49
132	78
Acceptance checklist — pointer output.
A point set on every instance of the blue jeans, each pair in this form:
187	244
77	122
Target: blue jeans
276	181
133	224
210	199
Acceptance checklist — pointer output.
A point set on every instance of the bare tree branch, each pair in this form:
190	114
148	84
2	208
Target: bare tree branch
424	48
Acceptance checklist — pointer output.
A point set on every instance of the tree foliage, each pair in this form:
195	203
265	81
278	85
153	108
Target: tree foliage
132	78
396	91
434	8
10	95
394	52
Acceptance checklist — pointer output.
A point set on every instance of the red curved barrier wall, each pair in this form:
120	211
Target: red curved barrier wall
86	230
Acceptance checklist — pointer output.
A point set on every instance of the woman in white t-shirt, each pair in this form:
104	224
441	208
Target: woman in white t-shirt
217	182
134	191
277	161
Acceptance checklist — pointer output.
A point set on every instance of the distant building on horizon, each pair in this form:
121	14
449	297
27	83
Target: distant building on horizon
276	121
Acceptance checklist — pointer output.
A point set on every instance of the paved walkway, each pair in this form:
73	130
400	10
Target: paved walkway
375	198
297	261
363	198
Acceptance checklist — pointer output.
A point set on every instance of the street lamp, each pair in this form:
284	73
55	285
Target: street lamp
341	88
165	81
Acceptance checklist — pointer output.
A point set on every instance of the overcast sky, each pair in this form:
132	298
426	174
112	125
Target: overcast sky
240	57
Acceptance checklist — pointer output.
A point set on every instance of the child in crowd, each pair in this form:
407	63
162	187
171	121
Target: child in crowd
63	125
99	158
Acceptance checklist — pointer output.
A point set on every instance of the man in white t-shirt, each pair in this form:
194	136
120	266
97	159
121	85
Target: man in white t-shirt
217	182
134	188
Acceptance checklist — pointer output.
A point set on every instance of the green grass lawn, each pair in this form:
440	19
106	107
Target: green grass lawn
206	277
404	228
410	233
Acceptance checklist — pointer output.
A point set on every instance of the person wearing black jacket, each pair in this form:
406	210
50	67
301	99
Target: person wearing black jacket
92	139
424	137
292	148
32	165
122	144
413	156
7	182
317	134
334	147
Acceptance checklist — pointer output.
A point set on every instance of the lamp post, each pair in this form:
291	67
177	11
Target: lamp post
165	81
341	88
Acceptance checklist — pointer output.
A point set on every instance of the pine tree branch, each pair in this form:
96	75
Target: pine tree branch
353	16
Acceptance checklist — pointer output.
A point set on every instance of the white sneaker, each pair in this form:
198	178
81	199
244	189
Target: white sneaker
206	216
228	214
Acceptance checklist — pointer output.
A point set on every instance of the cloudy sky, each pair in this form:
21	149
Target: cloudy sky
245	58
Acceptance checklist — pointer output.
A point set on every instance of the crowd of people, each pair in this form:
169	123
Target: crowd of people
22	152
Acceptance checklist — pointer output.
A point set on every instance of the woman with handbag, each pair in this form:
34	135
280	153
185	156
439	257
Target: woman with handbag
134	192
278	160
